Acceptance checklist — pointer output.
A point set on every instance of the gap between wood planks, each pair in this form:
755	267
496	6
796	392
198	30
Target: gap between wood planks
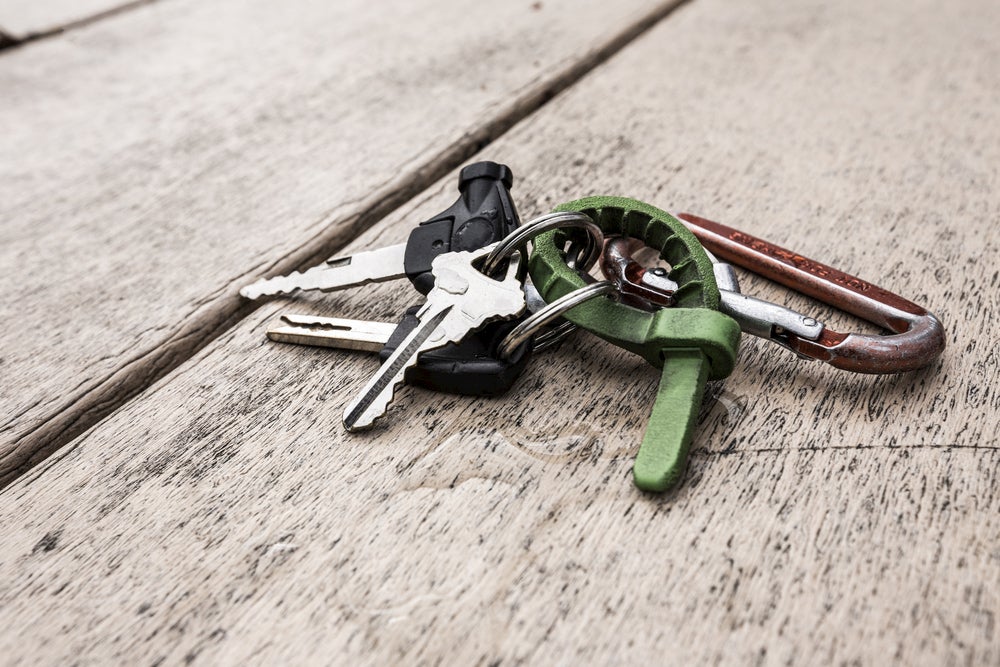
9	41
223	308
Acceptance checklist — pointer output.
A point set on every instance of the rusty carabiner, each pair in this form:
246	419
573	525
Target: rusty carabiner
917	337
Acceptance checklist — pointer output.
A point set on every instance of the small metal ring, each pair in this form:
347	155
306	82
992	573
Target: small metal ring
547	339
518	239
582	259
530	326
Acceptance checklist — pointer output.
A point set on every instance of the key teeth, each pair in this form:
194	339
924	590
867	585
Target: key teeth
377	409
359	427
272	286
356	426
380	390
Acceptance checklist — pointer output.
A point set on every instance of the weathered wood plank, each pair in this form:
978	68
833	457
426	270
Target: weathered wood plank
29	19
162	158
826	518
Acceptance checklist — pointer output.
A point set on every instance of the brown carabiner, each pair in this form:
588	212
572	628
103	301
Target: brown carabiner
917	336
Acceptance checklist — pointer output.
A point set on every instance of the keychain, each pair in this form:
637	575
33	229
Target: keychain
473	334
916	339
691	341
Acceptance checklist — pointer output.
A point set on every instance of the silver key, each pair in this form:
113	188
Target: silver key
373	266
367	336
332	332
462	300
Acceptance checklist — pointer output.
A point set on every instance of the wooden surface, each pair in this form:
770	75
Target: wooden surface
30	19
160	161
826	518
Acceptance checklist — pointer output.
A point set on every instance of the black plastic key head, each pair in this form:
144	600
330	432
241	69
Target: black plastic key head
483	214
470	368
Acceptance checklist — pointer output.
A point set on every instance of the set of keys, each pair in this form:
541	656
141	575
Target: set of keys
464	307
482	319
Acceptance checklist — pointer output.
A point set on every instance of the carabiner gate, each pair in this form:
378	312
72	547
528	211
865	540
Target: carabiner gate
917	336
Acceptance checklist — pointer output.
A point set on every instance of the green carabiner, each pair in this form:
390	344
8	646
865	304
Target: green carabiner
692	341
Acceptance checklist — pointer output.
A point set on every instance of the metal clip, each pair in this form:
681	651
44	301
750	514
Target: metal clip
917	336
649	289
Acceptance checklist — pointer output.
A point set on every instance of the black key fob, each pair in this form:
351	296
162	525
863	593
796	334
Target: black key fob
470	367
483	214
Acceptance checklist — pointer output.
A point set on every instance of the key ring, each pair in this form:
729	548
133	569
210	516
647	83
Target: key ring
518	239
533	324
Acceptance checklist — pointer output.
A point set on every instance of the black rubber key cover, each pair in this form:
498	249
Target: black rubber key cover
483	214
470	367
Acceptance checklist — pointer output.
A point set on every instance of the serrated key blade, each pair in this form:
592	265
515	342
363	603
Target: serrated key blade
333	332
372	266
374	400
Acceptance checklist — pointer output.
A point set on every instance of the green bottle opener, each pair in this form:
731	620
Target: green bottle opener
692	341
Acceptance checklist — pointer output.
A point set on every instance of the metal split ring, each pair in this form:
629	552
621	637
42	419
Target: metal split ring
518	239
582	257
533	324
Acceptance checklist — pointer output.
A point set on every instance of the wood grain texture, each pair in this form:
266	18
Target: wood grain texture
826	518
164	157
24	20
